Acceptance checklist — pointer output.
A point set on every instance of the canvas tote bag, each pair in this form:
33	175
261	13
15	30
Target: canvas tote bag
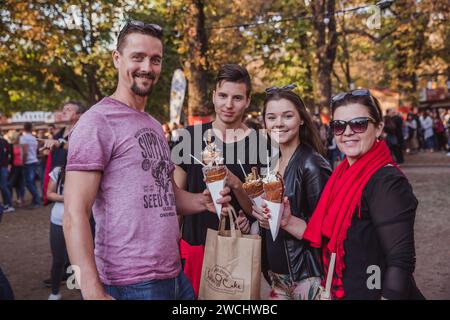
231	264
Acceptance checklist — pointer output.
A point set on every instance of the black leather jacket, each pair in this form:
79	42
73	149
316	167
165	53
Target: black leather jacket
305	177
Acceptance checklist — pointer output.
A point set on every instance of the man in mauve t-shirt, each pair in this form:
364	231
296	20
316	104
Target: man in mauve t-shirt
119	166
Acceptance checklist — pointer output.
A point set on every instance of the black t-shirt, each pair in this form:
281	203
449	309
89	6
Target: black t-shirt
383	237
251	151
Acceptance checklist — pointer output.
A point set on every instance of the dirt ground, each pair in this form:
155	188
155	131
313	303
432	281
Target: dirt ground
25	254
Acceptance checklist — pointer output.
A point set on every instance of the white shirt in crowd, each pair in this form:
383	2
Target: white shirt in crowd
56	216
427	126
31	142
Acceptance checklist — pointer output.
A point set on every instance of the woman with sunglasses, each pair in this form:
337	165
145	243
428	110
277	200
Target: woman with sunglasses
364	220
293	267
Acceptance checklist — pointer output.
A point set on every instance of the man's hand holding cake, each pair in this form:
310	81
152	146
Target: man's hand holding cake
214	173
223	199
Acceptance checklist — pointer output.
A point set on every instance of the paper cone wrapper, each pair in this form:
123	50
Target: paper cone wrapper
276	211
215	188
258	201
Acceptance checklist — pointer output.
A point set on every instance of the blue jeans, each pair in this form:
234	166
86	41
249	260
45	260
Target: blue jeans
30	171
6	193
429	143
178	288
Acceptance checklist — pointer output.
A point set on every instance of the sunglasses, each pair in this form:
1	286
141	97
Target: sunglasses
155	28
357	125
354	93
288	87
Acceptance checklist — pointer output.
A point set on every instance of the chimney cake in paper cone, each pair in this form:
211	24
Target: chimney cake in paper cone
273	195
214	171
253	186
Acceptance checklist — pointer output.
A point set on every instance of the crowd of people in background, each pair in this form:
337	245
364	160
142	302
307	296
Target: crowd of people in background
36	159
23	165
24	159
427	130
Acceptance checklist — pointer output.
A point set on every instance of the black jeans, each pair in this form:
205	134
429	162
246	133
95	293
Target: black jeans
17	181
59	254
6	292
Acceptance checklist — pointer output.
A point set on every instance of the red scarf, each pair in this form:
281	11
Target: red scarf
338	202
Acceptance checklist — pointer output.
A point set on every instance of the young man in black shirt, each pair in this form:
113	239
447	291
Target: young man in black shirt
238	143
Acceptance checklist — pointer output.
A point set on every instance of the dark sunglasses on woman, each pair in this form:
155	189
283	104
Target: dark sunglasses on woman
357	125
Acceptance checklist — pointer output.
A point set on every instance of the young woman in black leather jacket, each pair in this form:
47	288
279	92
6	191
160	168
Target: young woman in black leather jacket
293	267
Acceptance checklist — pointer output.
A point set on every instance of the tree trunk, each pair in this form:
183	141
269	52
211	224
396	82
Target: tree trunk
346	56
309	90
196	64
410	55
326	42
92	85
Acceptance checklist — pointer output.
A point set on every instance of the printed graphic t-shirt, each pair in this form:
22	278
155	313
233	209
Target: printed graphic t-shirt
136	223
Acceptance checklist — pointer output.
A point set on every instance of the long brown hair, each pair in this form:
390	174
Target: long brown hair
308	132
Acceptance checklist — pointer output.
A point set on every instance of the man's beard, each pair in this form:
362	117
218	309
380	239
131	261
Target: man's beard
143	92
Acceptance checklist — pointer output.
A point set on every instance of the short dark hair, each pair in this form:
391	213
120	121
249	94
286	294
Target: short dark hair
134	26
370	102
80	106
234	73
28	126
